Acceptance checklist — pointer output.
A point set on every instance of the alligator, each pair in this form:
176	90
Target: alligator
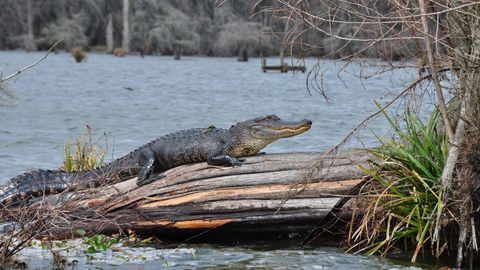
216	146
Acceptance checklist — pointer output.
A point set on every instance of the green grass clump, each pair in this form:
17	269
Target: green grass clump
404	198
83	154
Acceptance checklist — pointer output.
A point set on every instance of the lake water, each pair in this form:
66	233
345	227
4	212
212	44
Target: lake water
134	100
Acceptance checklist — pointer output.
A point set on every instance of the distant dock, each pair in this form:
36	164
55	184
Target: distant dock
283	67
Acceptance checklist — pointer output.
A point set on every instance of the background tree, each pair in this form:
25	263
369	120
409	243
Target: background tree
197	27
29	38
109	34
126	27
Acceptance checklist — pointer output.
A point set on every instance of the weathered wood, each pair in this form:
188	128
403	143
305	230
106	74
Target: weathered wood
266	191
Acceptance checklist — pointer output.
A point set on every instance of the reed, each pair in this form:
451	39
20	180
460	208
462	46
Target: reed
83	154
404	196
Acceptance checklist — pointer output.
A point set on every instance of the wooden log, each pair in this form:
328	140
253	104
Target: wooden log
267	193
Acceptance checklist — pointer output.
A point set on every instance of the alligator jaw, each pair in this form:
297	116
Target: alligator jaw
289	129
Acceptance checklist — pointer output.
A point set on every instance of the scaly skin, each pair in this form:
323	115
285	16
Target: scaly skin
214	145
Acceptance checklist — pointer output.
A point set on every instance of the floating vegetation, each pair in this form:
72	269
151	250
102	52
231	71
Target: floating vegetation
97	249
98	242
404	197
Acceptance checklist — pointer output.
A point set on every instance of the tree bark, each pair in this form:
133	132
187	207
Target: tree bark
265	194
467	183
126	27
460	174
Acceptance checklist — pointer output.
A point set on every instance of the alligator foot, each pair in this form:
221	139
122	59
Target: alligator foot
150	180
224	160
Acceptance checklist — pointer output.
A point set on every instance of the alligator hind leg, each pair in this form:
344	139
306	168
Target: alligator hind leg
148	162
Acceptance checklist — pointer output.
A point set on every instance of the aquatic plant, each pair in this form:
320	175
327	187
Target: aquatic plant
78	54
404	196
87	155
118	52
97	242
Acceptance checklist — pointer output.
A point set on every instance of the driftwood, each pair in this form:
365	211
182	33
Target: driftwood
268	193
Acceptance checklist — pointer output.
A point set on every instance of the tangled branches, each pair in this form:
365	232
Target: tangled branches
429	35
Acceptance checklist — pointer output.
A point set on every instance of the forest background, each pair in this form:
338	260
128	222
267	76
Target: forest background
194	27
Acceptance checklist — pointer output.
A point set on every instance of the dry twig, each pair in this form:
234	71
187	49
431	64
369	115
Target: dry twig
18	72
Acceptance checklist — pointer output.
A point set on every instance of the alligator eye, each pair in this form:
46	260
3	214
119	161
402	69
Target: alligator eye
272	117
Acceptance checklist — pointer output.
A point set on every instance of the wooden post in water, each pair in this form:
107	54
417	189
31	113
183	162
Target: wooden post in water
177	53
283	67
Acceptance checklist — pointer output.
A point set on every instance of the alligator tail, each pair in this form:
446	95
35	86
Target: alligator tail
43	182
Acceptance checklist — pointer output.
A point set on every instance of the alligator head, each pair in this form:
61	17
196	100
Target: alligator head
253	135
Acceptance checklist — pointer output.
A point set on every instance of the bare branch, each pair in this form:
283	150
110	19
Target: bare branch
18	72
433	71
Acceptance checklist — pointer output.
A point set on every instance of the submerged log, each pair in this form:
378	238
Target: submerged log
268	193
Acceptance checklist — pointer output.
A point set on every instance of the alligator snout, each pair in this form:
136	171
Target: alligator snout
307	123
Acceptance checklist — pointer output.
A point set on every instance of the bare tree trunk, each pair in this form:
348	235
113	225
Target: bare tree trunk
29	39
466	182
126	27
264	18
458	181
109	34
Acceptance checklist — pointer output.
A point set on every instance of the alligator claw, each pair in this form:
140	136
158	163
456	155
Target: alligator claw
237	162
149	180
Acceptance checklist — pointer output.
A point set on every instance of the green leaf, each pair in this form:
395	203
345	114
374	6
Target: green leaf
81	232
91	249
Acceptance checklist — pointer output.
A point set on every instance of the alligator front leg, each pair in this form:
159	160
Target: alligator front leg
220	160
148	162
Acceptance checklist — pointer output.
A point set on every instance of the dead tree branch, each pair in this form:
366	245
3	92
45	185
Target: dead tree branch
433	71
18	72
